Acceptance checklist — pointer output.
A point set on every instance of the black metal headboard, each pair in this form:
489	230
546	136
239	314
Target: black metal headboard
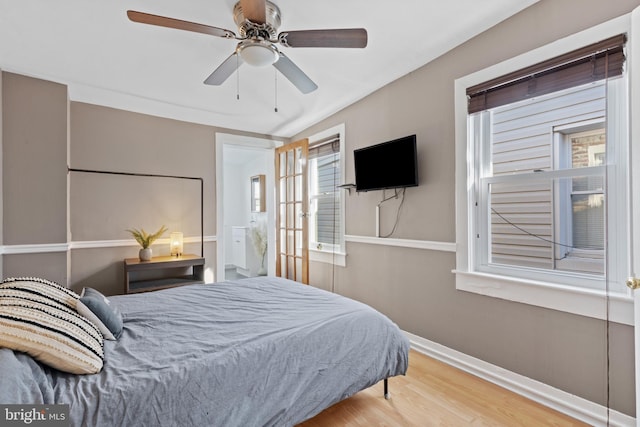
159	176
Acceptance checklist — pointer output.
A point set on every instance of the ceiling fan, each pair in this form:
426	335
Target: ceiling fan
258	22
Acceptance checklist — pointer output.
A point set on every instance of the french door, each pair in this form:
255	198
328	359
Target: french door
292	206
634	282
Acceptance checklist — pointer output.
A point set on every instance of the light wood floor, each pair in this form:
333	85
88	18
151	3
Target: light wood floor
435	394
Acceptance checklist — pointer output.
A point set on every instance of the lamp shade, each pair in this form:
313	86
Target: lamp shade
258	54
177	243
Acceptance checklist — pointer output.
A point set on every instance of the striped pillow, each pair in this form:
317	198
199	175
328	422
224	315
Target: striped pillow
39	317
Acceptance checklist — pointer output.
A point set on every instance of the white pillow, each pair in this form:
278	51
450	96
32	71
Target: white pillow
39	318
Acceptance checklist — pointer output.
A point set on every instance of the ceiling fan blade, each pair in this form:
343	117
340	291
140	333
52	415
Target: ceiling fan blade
347	37
295	74
163	21
224	70
254	10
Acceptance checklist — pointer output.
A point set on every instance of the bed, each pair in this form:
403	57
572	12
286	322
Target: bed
252	352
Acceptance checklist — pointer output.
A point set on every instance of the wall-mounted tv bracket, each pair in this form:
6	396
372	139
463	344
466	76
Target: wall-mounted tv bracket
348	187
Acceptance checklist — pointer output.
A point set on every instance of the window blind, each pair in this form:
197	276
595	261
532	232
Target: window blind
591	63
323	147
327	154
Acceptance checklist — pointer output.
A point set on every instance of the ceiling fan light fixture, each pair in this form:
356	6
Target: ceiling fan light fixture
258	53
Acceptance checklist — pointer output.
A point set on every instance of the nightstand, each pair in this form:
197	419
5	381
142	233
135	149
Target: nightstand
162	272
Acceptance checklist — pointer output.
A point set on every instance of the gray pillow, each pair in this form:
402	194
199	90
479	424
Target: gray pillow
110	317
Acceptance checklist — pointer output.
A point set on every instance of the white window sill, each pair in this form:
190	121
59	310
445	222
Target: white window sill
328	257
583	302
582	264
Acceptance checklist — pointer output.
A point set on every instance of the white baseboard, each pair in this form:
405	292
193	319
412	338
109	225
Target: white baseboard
566	403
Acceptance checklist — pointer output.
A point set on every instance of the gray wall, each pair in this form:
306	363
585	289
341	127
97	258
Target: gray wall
43	132
34	174
104	206
416	288
34	161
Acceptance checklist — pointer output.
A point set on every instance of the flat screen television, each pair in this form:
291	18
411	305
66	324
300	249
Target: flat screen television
392	164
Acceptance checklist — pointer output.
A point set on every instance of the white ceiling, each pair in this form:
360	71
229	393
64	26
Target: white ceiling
106	59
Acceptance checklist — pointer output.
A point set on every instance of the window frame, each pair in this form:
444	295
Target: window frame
614	302
575	259
327	253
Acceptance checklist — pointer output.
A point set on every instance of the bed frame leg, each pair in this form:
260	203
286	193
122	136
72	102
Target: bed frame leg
387	395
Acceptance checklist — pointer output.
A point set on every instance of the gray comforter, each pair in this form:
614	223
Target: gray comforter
253	352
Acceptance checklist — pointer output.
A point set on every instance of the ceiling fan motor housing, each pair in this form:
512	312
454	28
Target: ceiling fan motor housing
267	30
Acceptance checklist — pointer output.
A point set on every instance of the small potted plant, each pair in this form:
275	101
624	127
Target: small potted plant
146	240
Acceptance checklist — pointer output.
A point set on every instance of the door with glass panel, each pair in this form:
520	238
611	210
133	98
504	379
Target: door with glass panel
634	281
292	218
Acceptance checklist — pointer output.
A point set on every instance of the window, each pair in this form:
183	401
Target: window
579	201
540	186
326	220
324	198
542	176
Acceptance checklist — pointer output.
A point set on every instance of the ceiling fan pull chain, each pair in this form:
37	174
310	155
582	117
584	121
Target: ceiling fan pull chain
238	77
275	73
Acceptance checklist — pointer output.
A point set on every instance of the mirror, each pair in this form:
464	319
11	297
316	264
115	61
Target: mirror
257	193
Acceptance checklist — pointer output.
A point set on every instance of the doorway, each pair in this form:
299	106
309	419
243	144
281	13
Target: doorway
241	225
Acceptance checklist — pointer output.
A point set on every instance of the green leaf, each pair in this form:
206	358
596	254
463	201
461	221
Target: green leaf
145	239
